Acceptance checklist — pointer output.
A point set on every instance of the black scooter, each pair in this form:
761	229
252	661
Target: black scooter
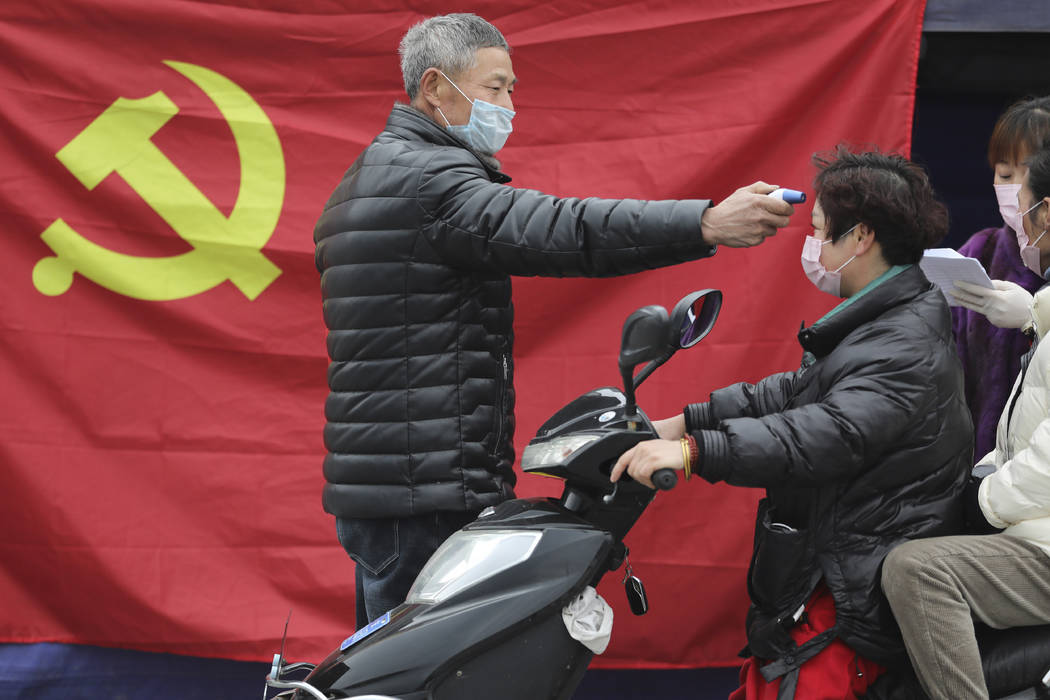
484	617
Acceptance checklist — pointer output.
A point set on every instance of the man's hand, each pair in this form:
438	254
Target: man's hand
745	218
1007	306
646	457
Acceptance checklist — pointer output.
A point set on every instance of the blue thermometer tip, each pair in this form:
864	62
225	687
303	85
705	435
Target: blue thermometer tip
789	196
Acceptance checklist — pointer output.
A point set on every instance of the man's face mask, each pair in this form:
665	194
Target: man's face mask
825	280
489	124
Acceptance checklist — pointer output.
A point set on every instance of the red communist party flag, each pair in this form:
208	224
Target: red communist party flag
162	357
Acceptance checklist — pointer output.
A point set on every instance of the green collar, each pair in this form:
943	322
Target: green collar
888	274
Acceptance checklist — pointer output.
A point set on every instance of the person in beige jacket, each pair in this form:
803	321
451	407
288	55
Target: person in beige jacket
937	587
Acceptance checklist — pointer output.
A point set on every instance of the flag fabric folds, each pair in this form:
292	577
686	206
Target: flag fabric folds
162	352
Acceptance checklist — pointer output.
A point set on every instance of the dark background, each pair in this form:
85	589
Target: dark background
965	80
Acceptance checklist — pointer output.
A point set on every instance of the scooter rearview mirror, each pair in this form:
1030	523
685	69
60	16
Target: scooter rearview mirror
651	335
644	340
693	317
643	336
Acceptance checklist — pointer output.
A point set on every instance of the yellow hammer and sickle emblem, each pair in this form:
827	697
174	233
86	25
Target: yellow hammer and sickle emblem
118	140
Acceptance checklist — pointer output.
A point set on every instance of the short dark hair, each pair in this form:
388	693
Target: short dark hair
1020	130
1039	171
888	193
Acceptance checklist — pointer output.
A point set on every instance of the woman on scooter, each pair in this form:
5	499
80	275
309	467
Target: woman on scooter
866	445
937	587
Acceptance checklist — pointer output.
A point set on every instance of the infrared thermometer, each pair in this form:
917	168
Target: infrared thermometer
789	196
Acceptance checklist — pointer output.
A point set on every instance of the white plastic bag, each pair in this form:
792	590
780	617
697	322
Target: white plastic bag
589	620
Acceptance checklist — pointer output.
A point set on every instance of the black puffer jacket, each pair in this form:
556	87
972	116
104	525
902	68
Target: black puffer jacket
415	247
867	445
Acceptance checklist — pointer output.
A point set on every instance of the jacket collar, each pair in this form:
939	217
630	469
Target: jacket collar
409	123
825	335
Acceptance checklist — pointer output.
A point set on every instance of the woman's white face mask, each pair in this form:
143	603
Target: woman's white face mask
829	281
1007	197
1029	252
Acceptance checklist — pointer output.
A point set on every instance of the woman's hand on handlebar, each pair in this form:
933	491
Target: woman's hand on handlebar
672	428
646	457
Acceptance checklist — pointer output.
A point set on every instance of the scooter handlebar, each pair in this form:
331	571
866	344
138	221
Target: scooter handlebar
665	479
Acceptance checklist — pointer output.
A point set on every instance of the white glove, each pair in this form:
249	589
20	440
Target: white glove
1006	306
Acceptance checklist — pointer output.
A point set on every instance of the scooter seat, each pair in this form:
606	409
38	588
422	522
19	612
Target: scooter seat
1014	659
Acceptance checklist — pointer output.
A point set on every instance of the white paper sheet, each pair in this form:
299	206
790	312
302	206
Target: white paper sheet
944	266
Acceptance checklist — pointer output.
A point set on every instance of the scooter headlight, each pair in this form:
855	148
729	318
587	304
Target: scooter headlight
468	558
556	451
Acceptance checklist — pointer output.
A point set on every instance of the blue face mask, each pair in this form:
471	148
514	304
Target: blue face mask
489	124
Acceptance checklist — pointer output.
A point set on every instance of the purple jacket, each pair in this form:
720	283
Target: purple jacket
991	356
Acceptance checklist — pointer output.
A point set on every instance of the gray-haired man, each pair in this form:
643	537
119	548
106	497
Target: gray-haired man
415	248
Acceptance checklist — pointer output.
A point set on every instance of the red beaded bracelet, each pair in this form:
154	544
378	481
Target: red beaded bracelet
694	450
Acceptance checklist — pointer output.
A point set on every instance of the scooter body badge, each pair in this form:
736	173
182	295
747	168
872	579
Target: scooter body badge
368	629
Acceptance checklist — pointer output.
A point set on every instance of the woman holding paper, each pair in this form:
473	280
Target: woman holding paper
938	586
987	325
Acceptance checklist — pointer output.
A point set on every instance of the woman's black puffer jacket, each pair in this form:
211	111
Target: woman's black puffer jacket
415	247
867	445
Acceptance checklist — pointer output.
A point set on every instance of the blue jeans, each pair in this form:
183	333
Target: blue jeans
389	553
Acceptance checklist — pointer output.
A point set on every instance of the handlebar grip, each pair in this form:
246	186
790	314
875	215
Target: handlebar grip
665	479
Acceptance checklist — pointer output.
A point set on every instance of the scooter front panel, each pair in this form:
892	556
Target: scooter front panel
423	644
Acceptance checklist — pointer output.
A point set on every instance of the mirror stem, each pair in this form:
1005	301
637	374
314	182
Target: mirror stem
630	413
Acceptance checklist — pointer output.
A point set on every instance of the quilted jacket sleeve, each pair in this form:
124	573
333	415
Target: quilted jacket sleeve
869	395
742	399
473	222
